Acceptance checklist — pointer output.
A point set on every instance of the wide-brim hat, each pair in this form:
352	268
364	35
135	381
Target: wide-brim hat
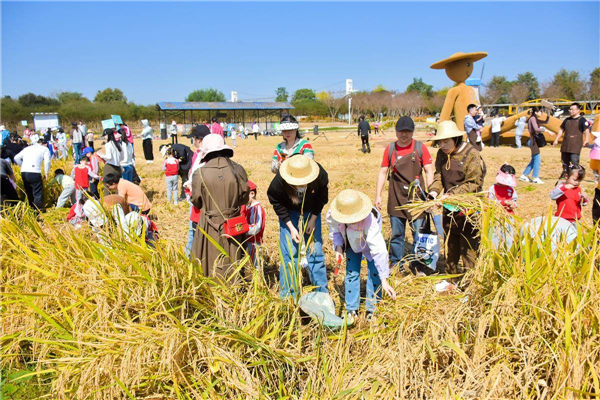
299	170
459	56
350	206
213	143
288	126
506	179
447	130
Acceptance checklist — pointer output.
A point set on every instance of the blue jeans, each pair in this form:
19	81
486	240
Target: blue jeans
534	164
77	150
127	173
290	274
353	263
398	235
191	231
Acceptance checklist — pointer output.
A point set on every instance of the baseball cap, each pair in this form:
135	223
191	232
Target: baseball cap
405	124
199	132
251	185
87	150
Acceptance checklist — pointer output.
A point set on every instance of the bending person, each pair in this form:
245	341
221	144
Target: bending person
298	194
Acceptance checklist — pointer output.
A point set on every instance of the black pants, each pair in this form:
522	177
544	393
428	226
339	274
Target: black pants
7	191
184	174
174	139
147	145
91	144
596	207
366	148
34	188
567	160
495	142
255	135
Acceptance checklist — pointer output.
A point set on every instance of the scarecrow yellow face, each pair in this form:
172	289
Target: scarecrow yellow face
460	70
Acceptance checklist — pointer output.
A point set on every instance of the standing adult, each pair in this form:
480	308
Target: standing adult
292	143
219	189
31	160
403	161
89	139
573	128
147	137
5	135
13	147
364	129
49	139
84	131
173	132
496	128
77	140
197	135
472	128
298	194
63	150
459	169
520	128
535	130
595	167
216	128
112	157
255	128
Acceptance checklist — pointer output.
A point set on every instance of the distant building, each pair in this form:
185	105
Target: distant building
234	96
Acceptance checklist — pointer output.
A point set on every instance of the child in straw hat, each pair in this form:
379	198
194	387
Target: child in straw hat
355	227
298	194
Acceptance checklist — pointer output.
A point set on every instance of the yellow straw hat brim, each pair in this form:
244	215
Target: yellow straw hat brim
458	56
447	130
343	215
303	177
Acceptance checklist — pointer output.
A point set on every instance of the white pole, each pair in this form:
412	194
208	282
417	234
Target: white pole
349	110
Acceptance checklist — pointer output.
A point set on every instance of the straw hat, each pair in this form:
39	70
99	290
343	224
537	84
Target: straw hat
213	143
350	206
299	170
447	130
459	56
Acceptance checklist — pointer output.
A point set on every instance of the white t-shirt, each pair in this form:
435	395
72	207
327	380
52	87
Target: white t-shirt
497	124
255	128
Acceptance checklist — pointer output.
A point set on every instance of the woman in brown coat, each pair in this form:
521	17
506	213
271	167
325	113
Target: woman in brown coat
219	189
459	169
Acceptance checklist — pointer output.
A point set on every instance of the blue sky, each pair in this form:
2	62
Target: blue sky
162	51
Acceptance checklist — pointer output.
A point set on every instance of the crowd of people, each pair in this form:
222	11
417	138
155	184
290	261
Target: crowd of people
227	222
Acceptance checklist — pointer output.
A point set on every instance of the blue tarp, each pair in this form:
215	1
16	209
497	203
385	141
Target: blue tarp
222	106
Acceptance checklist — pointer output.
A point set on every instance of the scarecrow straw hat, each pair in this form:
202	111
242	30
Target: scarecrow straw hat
299	170
459	56
447	130
350	206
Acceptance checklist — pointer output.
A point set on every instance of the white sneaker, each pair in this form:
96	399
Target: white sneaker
524	178
538	181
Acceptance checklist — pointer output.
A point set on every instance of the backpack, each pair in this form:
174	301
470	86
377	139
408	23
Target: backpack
392	147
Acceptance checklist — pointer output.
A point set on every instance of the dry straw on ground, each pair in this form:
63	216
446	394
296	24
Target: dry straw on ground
97	322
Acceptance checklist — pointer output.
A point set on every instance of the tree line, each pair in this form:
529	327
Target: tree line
417	100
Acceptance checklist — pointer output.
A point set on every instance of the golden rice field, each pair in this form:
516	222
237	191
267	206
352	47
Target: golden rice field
81	320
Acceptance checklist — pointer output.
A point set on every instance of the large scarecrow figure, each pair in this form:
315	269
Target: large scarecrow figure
459	67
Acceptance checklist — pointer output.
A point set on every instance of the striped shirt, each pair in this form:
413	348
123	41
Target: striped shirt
301	146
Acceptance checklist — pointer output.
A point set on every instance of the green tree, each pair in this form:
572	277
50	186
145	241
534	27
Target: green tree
420	87
303	94
282	94
379	88
497	90
109	95
594	89
35	100
569	83
529	80
70	97
210	95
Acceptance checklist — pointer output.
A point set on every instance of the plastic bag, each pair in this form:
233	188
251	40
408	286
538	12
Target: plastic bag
427	249
320	306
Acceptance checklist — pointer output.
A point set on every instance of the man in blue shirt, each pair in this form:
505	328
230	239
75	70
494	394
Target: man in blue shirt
472	128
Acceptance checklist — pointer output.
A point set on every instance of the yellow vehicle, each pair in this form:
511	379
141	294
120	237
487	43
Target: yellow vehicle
587	107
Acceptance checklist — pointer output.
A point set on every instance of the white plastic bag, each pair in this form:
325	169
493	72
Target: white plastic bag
427	249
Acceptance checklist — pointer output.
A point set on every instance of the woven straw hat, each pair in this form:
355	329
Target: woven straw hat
447	130
350	206
459	56
299	170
